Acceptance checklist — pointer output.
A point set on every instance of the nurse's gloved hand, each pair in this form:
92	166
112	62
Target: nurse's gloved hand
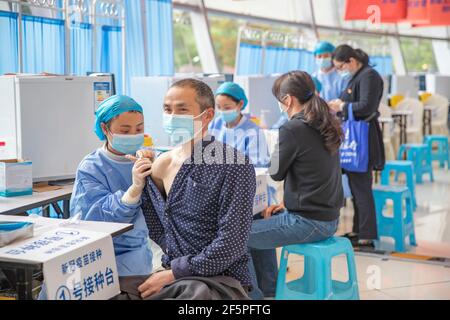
141	170
143	153
146	153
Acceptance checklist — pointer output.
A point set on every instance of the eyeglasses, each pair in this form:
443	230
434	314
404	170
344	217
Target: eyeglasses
284	98
339	67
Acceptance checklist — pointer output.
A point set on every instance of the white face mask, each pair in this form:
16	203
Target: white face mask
180	128
280	105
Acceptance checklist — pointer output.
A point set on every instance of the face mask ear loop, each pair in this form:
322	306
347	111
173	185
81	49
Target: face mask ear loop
107	141
196	133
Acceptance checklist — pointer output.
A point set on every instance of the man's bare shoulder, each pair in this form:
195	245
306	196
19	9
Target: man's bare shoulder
161	164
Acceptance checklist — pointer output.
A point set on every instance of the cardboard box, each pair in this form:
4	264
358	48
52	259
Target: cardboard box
16	178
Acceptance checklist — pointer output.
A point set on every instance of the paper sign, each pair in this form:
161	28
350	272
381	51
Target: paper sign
261	199
77	264
102	91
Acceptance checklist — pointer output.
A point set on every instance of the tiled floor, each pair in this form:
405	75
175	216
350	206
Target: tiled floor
382	278
432	217
379	278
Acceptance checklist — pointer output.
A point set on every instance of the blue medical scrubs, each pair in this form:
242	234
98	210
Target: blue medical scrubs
99	187
332	84
246	137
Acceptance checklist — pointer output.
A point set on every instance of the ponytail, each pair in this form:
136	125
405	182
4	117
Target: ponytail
363	57
318	115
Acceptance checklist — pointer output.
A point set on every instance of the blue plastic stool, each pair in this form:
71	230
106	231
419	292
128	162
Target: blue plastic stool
316	283
400	166
443	154
397	227
420	155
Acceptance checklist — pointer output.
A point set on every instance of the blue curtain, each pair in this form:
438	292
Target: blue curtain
293	59
383	64
108	38
111	54
275	60
81	48
43	44
9	55
307	62
159	36
249	60
135	58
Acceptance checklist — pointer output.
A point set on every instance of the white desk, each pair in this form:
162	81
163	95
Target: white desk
45	224
19	205
23	271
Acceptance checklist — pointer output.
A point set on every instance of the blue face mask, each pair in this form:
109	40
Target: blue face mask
345	74
127	143
324	63
180	128
229	115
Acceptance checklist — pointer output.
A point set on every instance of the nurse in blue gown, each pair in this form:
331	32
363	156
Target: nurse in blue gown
235	128
333	83
109	183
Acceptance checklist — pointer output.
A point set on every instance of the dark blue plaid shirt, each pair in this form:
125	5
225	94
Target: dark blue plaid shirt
204	224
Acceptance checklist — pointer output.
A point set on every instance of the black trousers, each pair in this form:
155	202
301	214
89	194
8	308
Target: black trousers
365	218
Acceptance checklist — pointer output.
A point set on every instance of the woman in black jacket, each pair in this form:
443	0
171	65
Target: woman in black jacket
306	158
364	92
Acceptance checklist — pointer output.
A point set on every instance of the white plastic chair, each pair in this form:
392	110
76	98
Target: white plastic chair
415	120
439	113
388	133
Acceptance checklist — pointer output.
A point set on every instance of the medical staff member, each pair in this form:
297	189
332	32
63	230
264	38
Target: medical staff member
108	182
364	93
333	83
110	178
236	129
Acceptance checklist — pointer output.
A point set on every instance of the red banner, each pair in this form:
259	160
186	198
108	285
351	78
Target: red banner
417	12
377	11
429	13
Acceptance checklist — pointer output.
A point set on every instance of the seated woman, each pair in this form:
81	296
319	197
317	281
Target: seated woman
307	159
235	128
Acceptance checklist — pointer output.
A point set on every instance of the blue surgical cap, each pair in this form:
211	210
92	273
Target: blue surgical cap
233	90
323	47
112	107
318	84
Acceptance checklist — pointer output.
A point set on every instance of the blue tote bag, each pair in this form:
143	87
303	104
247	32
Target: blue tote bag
355	148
